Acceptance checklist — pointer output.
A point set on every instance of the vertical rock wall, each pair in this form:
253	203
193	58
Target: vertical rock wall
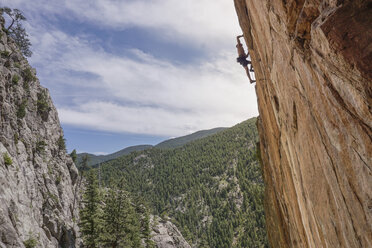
313	64
37	177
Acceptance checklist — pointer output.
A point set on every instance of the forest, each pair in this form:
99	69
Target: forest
211	189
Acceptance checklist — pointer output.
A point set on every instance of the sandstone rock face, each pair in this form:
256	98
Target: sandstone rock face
166	235
37	177
312	61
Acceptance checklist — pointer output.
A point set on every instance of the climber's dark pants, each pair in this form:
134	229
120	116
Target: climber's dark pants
243	61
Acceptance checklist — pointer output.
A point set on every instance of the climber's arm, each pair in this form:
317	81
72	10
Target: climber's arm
238	38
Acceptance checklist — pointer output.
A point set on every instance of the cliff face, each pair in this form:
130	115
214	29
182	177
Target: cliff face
312	61
37	177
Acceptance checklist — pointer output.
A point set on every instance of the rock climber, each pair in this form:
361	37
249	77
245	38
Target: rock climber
242	59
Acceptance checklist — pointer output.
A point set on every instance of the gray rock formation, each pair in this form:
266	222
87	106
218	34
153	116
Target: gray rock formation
37	177
166	235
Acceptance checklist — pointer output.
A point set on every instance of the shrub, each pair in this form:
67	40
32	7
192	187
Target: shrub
59	179
30	243
17	64
21	112
61	143
5	53
7	160
42	105
15	79
53	197
26	86
28	75
40	146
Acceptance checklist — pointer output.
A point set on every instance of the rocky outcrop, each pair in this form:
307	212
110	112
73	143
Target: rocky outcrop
166	235
312	62
37	177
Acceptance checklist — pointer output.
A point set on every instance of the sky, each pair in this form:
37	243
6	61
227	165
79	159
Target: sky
130	72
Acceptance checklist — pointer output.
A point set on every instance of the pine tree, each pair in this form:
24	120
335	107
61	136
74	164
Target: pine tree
73	155
146	232
84	163
121	227
90	213
203	241
16	30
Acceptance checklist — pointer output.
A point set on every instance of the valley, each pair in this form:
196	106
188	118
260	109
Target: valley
210	188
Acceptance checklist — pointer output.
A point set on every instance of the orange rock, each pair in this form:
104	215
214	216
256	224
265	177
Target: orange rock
313	65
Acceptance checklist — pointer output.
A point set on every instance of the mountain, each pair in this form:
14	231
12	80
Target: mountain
96	159
180	141
312	61
38	192
210	188
167	144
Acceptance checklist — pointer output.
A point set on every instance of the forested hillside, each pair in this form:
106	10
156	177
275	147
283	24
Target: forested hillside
180	141
167	144
96	159
210	188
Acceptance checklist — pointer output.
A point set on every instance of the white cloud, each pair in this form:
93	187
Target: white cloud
142	120
208	24
94	153
100	153
140	93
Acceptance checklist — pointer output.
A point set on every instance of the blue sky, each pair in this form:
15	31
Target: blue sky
135	72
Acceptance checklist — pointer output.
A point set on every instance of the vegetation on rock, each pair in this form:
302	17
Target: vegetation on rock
21	112
7	160
42	105
61	143
15	79
30	243
40	146
28	75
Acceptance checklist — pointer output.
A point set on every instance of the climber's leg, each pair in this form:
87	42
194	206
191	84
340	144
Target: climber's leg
252	70
249	75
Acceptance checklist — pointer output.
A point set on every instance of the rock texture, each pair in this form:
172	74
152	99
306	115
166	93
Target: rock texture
37	177
166	235
312	60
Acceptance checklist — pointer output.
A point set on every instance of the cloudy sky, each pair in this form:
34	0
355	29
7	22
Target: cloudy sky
128	72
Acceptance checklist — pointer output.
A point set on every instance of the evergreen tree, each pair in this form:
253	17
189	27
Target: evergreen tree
16	30
84	163
146	231
121	227
73	155
90	212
